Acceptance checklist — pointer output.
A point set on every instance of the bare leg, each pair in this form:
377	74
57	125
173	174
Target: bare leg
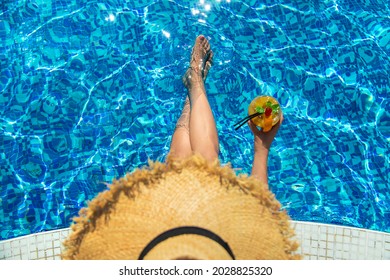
201	60
203	131
181	145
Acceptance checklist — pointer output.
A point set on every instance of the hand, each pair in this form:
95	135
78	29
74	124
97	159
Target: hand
263	140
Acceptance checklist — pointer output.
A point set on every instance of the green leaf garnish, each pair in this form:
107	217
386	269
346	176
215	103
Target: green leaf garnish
275	108
268	104
260	110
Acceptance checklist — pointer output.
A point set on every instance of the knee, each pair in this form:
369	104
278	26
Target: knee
210	155
180	153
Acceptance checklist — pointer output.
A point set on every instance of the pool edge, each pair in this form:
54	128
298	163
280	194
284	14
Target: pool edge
318	241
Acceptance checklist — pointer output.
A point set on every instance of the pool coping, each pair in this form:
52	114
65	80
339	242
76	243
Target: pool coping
318	241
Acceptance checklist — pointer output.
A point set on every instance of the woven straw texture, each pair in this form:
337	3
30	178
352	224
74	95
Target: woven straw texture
121	221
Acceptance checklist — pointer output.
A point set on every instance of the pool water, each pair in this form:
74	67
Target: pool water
90	90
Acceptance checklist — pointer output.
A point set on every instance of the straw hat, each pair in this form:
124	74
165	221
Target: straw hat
188	209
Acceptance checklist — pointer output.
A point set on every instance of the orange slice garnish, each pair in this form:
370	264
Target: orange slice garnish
267	125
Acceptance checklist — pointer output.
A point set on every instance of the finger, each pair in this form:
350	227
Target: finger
281	118
253	127
276	127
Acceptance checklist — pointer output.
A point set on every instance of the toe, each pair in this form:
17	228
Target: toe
201	37
206	45
203	42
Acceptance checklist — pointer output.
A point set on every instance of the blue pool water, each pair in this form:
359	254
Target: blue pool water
89	90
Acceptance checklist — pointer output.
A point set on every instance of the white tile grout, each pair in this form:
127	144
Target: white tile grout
317	240
383	247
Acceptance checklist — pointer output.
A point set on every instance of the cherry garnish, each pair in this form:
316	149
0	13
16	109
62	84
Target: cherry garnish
268	111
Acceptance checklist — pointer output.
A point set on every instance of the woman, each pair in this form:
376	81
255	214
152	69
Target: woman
196	130
189	207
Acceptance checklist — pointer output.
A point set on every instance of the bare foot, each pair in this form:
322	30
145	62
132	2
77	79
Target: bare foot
200	64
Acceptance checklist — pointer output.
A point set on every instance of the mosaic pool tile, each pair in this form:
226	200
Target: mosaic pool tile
90	90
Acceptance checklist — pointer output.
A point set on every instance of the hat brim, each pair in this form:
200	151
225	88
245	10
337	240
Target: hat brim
120	222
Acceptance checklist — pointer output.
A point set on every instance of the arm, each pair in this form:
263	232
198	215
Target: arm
259	166
262	145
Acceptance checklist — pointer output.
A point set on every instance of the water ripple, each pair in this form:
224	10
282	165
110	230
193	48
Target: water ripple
90	91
